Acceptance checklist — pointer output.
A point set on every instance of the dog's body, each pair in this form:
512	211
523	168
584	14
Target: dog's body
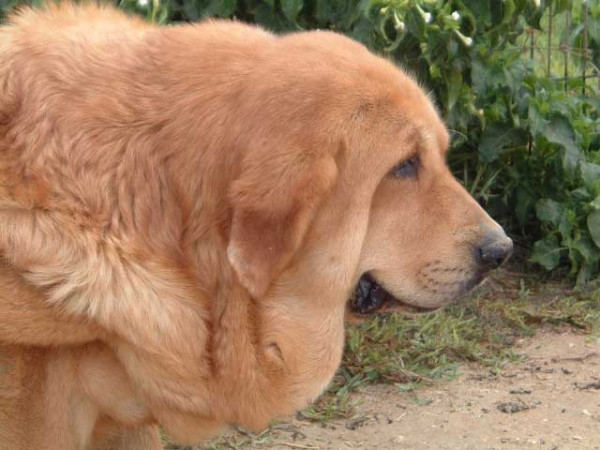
185	211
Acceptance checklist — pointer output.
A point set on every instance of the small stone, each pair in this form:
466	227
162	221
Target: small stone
520	391
512	407
355	424
398	439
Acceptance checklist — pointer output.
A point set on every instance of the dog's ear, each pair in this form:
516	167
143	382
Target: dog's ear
274	201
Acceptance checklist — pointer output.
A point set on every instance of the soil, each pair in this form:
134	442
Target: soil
551	401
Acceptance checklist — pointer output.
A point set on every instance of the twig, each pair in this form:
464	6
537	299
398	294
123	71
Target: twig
577	358
400	417
289	444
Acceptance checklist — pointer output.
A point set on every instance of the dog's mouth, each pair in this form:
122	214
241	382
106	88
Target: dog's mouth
372	298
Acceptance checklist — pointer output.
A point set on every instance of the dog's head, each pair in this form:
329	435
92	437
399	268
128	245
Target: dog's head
345	177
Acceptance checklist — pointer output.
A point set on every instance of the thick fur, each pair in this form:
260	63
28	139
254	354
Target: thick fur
184	212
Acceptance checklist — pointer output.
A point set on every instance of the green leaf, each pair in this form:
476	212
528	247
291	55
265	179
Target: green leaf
580	193
559	131
266	16
508	10
480	9
455	83
591	174
291	8
562	5
587	249
191	10
324	12
548	210
565	227
585	274
498	136
220	8
546	252
524	205
537	122
593	223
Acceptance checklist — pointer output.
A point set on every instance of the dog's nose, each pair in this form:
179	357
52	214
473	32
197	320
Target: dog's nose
493	250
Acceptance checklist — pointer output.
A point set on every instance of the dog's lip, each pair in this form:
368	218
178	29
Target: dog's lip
370	297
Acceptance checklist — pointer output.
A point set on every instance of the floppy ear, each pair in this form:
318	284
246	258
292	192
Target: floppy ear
274	201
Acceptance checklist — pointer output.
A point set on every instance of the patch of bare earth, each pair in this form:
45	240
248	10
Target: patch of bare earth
551	401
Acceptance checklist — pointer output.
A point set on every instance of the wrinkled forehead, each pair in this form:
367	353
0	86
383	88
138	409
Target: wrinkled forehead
411	101
393	112
435	136
433	130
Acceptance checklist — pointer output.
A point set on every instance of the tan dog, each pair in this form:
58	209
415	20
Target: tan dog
185	211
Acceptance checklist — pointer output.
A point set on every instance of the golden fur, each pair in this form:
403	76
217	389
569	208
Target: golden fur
184	213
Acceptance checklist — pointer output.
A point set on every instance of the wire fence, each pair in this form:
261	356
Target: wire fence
562	49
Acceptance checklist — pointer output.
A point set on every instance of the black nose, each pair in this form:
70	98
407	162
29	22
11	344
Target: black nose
493	250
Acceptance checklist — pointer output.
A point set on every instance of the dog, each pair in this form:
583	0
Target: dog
185	212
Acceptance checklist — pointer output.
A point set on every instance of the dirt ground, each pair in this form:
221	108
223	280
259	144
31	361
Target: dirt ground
551	402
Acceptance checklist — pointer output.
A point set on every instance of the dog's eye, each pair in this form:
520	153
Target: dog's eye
406	169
